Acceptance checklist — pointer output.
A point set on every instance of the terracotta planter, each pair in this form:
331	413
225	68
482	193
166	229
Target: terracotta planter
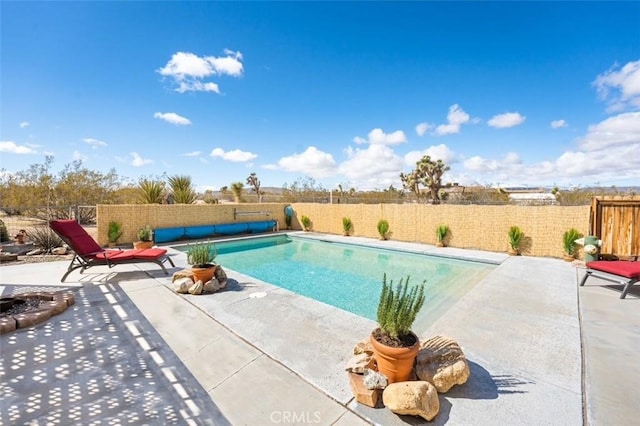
439	244
395	363
568	258
203	274
142	244
513	252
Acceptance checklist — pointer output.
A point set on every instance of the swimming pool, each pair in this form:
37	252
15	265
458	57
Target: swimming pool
348	276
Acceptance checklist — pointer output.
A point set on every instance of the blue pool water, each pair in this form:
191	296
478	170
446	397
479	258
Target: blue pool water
348	276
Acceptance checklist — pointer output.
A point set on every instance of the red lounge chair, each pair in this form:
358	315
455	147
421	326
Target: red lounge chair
89	253
623	272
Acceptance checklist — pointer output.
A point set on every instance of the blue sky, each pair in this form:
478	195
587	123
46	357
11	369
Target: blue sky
513	93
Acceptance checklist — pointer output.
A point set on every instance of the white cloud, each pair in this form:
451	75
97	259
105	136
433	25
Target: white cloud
24	124
509	119
437	152
13	148
77	156
173	118
188	70
556	124
312	162
192	154
620	88
95	143
378	136
235	156
622	129
373	167
138	161
423	128
455	118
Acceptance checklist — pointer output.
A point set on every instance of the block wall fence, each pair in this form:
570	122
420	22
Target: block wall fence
471	226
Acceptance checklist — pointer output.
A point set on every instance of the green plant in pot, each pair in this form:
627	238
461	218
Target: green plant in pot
569	243
114	233
383	228
394	344
346	226
441	234
145	238
516	237
306	222
201	257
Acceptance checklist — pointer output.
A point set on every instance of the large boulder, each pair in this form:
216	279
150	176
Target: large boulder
441	362
412	398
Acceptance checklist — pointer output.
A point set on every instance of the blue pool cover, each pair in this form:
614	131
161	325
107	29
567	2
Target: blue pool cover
164	235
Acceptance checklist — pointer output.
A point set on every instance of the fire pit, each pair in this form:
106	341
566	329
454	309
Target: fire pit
28	309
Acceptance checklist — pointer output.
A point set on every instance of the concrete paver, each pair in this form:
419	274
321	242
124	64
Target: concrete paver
262	355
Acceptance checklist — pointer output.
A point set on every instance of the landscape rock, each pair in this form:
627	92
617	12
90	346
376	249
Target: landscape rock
182	285
185	273
368	397
374	379
412	398
59	251
358	363
34	252
441	362
196	288
221	276
213	285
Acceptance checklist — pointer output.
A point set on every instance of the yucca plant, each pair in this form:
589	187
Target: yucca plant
306	222
397	310
150	191
441	233
516	236
44	238
114	232
383	228
569	241
346	225
183	192
145	233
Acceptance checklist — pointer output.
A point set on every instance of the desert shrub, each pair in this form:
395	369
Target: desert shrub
44	238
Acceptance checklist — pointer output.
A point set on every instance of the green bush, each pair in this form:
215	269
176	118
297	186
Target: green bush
383	228
569	241
441	232
346	225
516	236
398	310
145	233
115	231
306	222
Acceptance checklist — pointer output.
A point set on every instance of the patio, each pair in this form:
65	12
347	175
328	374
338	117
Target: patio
132	350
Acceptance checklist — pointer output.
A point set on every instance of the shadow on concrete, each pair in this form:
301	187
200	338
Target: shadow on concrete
99	361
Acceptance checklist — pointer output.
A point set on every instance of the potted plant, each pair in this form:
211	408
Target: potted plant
201	257
114	233
346	226
569	243
441	234
383	228
394	344
145	238
306	222
516	236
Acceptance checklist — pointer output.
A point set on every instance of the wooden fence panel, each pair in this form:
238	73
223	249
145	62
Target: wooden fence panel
615	221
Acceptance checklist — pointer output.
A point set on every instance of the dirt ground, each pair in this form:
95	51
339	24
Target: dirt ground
15	223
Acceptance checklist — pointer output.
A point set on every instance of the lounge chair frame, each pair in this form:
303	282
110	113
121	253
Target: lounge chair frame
97	256
626	282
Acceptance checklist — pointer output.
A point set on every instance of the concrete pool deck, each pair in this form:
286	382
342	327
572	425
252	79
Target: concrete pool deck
256	354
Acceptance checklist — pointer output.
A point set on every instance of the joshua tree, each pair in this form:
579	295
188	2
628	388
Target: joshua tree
255	184
429	173
237	188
